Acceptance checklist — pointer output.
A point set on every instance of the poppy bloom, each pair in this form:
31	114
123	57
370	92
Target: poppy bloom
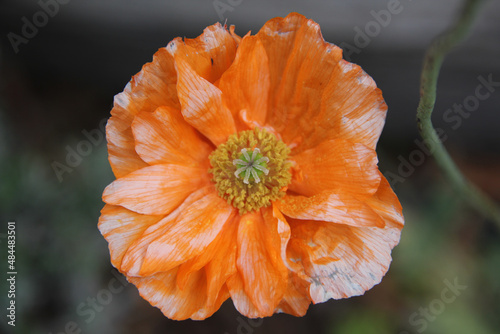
246	168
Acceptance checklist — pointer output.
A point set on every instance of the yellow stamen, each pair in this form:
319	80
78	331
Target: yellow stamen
251	169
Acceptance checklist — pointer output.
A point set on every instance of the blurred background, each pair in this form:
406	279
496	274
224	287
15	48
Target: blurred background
57	82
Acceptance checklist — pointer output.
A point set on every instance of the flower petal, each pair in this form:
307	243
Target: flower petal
219	260
336	164
296	300
153	86
164	137
121	148
280	225
245	85
315	90
134	257
211	306
210	54
354	97
279	38
331	206
342	261
240	298
161	291
300	64
259	262
386	204
200	62
155	190
186	236
121	227
202	105
220	268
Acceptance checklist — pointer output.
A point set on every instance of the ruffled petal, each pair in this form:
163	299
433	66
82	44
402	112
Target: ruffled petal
386	204
236	37
296	300
300	64
153	86
278	224
155	190
314	90
331	206
202	105
336	164
122	227
211	306
180	236
342	261
220	268
121	148
245	85
188	235
162	291
240	298
210	54
164	137
134	257
219	260
359	105
259	261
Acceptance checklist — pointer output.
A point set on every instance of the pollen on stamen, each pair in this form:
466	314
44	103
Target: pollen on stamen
251	169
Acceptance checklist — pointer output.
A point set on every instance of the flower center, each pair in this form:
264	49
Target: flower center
250	169
253	166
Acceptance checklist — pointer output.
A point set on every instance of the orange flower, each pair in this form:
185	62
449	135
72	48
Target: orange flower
246	168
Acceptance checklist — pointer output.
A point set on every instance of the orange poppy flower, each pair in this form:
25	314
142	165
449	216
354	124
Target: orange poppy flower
246	168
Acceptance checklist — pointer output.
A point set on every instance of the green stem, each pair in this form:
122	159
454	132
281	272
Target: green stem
432	64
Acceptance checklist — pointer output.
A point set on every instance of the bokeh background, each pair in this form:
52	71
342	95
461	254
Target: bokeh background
59	87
